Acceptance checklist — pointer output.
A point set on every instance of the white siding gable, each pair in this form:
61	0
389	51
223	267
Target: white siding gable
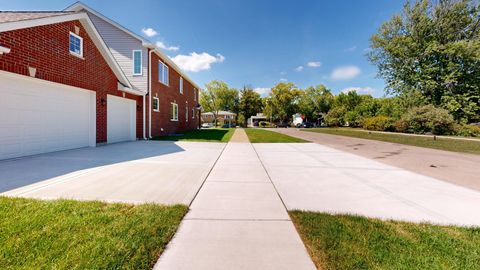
121	46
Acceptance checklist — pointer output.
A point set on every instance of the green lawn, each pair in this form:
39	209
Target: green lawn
66	234
256	135
203	135
464	146
349	242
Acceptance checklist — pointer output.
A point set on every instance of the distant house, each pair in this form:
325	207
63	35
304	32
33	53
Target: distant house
253	121
223	117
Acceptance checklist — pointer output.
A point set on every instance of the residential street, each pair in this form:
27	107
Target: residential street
457	168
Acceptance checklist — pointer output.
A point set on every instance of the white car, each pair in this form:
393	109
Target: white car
207	125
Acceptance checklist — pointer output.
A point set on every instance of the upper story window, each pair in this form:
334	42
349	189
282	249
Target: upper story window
193	113
186	112
162	73
75	45
156	104
181	85
195	94
137	62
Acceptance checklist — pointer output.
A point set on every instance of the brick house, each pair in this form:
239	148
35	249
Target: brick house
64	84
223	118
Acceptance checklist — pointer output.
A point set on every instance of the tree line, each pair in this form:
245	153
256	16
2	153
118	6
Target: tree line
429	57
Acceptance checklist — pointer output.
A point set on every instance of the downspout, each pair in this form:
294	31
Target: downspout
144	120
150	93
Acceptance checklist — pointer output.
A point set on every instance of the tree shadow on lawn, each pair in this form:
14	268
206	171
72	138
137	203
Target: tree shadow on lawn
216	135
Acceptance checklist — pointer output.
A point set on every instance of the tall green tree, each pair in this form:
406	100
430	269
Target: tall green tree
433	47
217	96
250	103
314	102
283	100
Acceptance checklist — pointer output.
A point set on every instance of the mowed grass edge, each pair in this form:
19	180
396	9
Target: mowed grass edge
351	242
453	145
202	135
257	135
66	234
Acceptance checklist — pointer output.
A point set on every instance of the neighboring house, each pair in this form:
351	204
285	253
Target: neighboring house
297	119
172	100
71	79
223	117
254	120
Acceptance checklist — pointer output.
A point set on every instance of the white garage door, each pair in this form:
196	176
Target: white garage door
121	119
37	116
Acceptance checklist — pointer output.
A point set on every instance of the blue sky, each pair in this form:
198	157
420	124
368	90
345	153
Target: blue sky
253	42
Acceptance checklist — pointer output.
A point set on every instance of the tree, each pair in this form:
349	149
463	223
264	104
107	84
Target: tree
314	102
250	103
433	48
217	96
283	100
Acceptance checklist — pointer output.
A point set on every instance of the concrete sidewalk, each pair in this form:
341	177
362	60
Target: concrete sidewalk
237	221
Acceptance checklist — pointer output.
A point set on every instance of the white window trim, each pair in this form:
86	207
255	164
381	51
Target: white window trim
168	79
181	85
173	118
81	45
158	104
133	63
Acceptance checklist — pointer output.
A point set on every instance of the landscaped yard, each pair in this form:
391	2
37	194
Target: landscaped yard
66	234
464	146
202	135
349	242
256	135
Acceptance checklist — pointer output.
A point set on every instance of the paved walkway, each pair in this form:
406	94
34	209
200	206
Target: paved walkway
237	221
458	168
240	136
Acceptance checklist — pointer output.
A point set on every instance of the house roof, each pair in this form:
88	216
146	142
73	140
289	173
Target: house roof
20	20
79	6
15	16
219	113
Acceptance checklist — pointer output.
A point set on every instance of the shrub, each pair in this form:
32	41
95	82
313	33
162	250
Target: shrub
467	130
379	123
335	117
428	119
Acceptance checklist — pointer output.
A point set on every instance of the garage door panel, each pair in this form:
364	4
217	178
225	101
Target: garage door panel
121	120
38	117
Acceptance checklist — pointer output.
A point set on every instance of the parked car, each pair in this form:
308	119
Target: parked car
228	126
305	125
282	125
207	125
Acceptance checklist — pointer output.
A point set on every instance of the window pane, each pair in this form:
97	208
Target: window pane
137	62
165	74
160	72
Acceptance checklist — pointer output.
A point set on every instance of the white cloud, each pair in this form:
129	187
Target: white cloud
283	80
360	90
345	73
196	62
149	32
351	49
299	68
314	64
263	91
162	45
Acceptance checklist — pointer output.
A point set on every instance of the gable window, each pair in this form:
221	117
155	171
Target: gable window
162	73
137	62
181	85
174	112
156	104
75	45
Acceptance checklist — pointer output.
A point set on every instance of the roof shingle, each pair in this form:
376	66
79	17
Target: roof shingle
15	16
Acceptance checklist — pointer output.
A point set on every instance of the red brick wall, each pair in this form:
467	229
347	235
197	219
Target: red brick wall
46	48
167	95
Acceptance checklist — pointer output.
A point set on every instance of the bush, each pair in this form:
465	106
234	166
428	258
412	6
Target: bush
335	116
379	123
427	118
467	130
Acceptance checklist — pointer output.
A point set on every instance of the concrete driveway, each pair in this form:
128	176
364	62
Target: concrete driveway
314	177
133	172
